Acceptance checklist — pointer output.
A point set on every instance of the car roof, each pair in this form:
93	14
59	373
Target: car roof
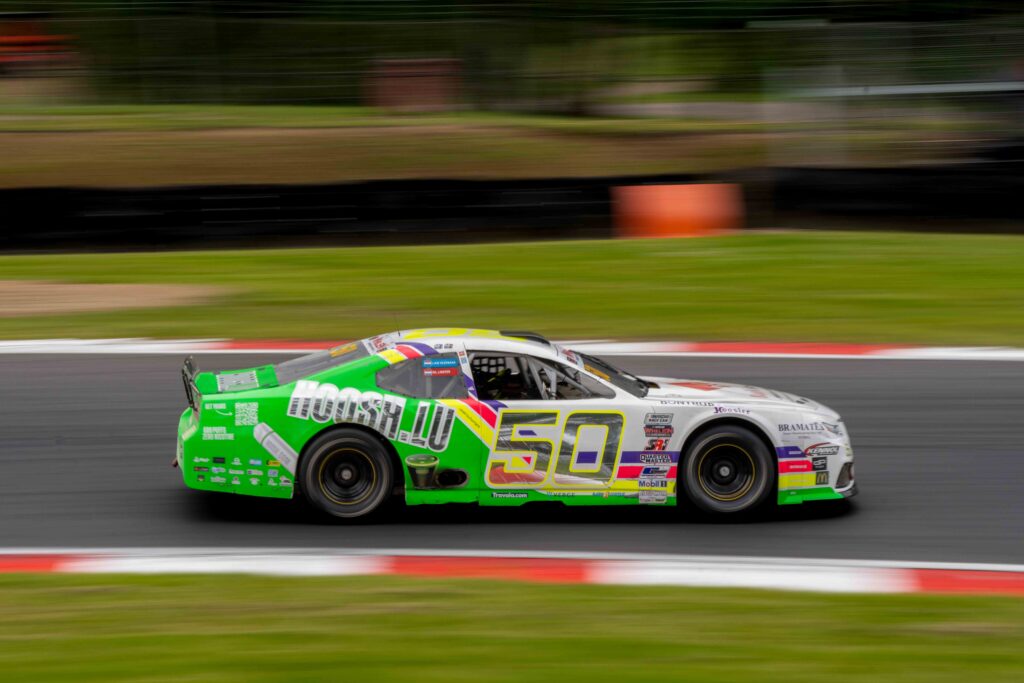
508	341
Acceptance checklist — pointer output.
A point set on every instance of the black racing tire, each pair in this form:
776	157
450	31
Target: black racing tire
727	470
346	473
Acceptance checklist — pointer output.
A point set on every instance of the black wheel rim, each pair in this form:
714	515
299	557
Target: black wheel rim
347	476
726	472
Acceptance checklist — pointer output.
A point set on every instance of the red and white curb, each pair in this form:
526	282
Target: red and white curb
598	347
829	576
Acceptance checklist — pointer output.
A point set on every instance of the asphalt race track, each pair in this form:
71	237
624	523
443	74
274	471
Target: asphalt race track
87	443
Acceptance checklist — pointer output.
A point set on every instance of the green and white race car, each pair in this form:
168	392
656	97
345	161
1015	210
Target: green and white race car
500	418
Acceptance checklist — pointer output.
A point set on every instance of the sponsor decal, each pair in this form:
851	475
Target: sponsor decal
272	473
655	458
821	479
659	483
254	473
235	481
200	469
254	481
200	461
663	432
655	471
823	449
218	480
238	472
343	349
378	343
507	494
656	445
787	466
218	470
246	414
653	497
201	477
658	419
797	480
686	402
833	428
217	434
441	367
273	463
256	462
731	410
817	427
432	426
218	460
789	452
271	483
441	372
820	463
286	482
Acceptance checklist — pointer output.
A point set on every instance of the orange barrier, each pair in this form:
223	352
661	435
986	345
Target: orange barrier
677	210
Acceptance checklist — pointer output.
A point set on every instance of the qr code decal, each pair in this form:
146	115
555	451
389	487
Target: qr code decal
246	414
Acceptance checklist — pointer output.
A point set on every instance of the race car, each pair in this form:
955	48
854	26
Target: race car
500	418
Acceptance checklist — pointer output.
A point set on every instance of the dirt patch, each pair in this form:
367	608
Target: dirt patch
35	297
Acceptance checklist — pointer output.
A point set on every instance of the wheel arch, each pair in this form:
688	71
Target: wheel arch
339	426
733	420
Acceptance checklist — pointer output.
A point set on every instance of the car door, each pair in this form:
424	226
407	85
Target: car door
433	428
558	432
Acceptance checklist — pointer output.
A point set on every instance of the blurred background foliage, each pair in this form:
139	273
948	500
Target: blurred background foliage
580	58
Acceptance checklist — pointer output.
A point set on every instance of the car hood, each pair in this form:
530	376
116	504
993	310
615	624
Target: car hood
666	389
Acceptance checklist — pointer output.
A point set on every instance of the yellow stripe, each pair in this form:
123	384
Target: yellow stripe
789	481
471	419
391	356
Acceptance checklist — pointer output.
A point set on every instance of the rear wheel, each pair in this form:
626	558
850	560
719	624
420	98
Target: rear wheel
347	473
727	469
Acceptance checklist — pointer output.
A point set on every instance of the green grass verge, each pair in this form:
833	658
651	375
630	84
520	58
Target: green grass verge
147	145
139	118
234	628
935	289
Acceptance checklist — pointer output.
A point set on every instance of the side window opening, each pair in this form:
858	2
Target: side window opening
508	377
434	376
503	377
561	382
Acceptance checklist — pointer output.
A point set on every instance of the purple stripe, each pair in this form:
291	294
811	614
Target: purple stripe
789	452
495	405
634	457
425	349
527	432
586	457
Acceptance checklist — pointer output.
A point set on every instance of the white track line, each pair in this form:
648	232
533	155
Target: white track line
816	575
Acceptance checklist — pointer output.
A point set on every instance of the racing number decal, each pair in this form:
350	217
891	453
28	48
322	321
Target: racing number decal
522	458
577	468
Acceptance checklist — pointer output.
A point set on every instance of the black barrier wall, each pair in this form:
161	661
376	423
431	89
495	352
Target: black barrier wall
367	212
968	198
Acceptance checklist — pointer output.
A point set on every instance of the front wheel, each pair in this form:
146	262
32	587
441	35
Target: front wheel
347	473
727	470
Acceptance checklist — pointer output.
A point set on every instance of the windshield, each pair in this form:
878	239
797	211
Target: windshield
609	373
303	366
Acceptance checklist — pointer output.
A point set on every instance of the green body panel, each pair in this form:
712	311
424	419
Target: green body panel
221	436
794	496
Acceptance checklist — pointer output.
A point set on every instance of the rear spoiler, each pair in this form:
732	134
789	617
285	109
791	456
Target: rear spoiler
188	378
